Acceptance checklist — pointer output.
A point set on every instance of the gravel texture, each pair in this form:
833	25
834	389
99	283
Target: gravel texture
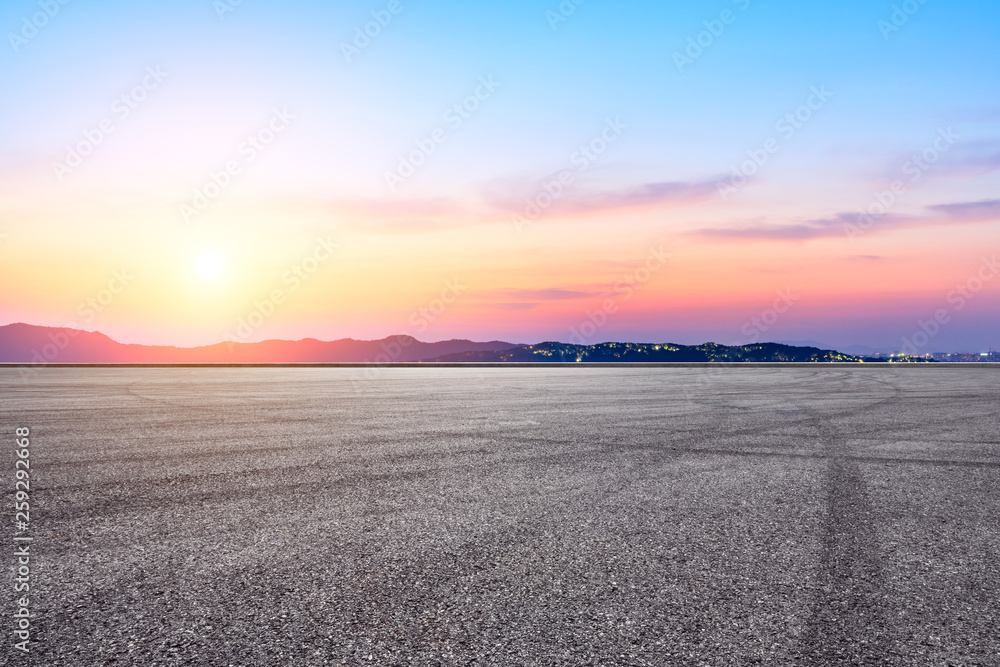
506	516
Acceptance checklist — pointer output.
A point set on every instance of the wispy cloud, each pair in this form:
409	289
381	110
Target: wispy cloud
514	299
977	211
395	215
497	202
964	159
934	216
548	294
514	306
977	115
513	196
970	159
397	207
647	194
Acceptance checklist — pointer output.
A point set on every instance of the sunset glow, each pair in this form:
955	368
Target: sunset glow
537	162
210	266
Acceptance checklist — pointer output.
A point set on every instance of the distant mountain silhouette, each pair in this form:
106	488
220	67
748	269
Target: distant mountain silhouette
648	352
805	343
26	343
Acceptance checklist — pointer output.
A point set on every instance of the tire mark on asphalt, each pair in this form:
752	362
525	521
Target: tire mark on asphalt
854	458
848	623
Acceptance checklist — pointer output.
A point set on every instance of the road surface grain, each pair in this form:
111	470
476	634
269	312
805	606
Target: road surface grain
504	516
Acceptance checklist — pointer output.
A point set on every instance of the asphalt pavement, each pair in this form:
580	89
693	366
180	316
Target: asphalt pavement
508	516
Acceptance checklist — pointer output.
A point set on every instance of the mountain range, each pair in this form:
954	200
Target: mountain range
26	343
648	352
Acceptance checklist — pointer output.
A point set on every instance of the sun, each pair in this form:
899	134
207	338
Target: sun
210	265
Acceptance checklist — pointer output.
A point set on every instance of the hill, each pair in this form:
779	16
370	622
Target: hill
648	352
26	343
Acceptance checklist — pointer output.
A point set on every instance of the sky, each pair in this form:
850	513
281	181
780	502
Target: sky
583	171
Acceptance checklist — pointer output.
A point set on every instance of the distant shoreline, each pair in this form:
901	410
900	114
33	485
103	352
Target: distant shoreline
514	364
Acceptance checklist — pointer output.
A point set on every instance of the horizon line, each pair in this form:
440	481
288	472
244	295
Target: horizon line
502	364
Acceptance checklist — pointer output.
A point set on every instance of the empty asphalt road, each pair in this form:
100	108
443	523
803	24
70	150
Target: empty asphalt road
506	516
